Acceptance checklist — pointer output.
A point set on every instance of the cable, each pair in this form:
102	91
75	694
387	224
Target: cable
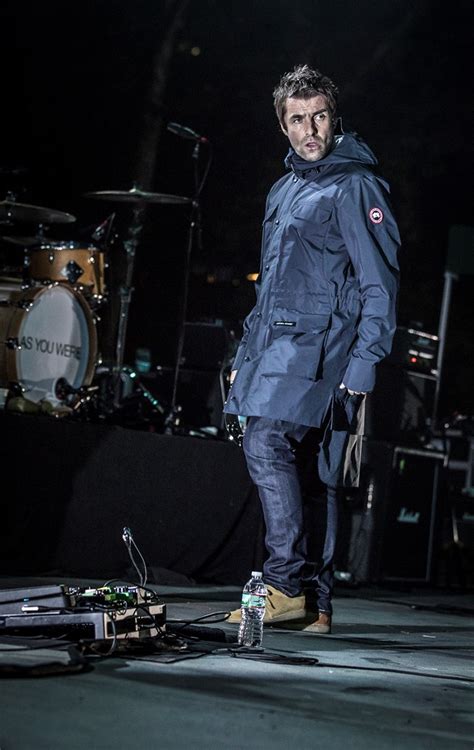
461	611
205	617
409	672
155	597
129	541
206	170
153	624
114	636
113	645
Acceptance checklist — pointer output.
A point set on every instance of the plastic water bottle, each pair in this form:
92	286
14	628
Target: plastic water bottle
252	612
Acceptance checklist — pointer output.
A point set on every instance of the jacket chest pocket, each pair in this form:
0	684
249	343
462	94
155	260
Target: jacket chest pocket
296	344
312	221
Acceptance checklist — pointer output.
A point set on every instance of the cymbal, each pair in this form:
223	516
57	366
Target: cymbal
23	212
28	241
137	196
13	171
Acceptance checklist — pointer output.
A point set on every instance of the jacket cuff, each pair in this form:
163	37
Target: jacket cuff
360	375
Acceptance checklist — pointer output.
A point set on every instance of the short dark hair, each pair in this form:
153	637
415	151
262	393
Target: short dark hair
304	82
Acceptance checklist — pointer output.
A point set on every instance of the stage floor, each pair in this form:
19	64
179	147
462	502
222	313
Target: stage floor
395	673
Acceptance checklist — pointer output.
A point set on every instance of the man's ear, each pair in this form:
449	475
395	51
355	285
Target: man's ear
283	129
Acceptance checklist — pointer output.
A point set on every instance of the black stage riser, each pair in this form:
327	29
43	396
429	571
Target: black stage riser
189	502
192	507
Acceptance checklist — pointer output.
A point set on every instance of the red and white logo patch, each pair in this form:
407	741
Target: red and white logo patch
376	215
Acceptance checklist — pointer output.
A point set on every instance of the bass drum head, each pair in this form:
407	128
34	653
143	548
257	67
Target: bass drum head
54	337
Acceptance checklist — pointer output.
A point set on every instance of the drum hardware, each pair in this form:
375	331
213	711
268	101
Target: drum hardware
118	372
135	402
21	304
173	418
12	211
76	398
72	271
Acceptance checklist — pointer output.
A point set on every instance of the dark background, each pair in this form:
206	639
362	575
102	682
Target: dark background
75	83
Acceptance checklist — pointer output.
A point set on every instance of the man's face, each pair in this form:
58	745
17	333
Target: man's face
309	126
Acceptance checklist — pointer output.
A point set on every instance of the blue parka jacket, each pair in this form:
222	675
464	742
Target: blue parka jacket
326	292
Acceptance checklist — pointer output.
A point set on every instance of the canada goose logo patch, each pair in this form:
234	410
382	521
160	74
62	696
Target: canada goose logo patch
376	215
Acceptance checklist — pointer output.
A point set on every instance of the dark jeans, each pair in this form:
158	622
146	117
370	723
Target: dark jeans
270	451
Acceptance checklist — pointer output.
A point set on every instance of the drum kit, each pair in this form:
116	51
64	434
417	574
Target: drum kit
49	343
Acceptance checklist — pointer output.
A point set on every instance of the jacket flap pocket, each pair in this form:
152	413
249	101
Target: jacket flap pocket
292	321
311	211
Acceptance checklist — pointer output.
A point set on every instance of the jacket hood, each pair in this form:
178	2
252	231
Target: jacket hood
348	147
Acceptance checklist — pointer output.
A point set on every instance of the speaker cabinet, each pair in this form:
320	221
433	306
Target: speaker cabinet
389	527
400	405
411	534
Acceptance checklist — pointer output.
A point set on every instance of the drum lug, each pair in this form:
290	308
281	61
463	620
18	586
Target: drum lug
25	304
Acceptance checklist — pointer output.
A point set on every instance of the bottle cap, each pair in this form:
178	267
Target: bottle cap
256	573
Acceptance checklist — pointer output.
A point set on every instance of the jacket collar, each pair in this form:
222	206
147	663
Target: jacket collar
301	167
346	147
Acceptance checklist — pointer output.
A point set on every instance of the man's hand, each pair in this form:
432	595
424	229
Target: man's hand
232	376
351	393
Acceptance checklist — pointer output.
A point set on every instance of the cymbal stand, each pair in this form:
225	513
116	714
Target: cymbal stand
173	418
125	295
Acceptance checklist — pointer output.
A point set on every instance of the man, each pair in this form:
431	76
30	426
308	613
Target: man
324	317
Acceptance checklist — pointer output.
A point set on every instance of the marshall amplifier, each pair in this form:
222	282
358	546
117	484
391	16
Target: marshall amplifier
414	350
400	406
389	526
411	529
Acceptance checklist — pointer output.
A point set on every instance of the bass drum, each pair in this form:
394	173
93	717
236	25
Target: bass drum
46	334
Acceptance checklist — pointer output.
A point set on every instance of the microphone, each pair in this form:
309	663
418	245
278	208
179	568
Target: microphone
185	132
103	229
127	535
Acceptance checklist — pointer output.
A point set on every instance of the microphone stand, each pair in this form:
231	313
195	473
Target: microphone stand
173	419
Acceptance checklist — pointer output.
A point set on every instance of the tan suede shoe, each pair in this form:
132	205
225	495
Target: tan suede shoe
279	608
321	626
